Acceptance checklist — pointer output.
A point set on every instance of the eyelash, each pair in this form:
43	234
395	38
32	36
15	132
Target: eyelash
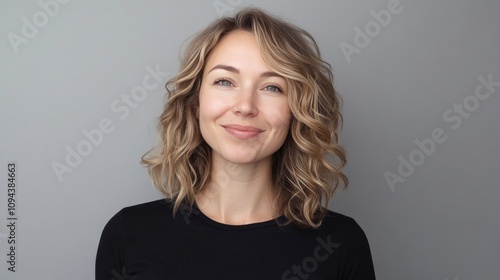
216	82
279	89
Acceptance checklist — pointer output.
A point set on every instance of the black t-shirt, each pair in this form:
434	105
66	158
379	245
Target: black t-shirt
145	242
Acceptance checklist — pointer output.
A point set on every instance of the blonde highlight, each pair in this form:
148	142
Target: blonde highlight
304	178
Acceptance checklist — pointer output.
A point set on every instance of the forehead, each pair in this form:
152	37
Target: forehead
237	37
237	47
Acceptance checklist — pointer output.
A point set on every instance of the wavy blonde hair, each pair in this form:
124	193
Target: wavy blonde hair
306	169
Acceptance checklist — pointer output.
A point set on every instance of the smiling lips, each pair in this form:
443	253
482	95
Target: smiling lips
242	132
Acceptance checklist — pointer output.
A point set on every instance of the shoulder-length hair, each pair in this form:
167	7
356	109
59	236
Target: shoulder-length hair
306	169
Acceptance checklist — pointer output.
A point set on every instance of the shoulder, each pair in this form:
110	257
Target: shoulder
351	244
345	230
340	222
154	207
142	214
129	229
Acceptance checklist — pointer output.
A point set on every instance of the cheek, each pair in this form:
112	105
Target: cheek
281	116
210	107
281	124
209	110
204	104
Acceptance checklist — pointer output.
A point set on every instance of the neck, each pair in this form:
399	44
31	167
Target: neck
238	193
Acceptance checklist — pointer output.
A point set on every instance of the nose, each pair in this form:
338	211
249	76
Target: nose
245	103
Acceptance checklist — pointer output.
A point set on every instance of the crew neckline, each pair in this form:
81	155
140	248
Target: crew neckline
251	226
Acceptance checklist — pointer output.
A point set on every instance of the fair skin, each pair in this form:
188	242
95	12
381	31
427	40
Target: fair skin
244	117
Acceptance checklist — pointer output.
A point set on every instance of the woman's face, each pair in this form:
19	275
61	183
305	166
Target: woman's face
243	112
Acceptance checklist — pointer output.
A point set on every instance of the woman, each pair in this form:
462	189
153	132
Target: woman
248	159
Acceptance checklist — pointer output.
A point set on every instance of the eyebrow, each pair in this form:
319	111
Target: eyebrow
232	69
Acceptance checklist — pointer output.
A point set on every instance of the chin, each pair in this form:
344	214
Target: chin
241	157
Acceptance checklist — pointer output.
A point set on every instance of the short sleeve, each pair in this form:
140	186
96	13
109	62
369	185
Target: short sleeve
110	252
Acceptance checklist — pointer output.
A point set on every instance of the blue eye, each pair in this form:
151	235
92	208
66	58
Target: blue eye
273	88
223	82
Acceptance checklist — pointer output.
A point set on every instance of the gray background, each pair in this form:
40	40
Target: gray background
442	222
